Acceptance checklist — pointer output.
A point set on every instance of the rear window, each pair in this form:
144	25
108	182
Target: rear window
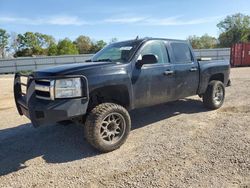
181	52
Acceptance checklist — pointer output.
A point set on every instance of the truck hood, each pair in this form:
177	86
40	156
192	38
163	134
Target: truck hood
70	68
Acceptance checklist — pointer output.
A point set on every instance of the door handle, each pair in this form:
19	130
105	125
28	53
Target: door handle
168	72
193	69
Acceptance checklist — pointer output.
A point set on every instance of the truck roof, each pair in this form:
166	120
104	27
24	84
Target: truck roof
154	38
177	40
151	38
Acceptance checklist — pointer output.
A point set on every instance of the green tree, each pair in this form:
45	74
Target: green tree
83	44
52	49
45	40
23	53
28	41
195	41
66	47
208	41
33	44
234	29
97	46
203	42
4	37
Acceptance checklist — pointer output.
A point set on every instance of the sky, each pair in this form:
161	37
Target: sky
124	20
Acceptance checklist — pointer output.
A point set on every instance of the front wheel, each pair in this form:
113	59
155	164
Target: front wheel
107	126
214	96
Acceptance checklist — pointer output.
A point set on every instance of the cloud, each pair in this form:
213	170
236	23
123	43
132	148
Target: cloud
66	20
169	21
125	20
53	20
140	20
4	19
178	21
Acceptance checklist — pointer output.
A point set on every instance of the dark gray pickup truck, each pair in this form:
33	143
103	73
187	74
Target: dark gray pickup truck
121	77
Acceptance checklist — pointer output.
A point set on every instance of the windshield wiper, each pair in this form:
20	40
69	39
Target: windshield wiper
98	60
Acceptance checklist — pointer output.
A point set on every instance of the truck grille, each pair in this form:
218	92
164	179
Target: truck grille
44	89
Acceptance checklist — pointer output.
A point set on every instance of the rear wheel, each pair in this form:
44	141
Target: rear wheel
107	126
214	96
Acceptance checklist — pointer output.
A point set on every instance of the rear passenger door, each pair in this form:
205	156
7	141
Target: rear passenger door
186	69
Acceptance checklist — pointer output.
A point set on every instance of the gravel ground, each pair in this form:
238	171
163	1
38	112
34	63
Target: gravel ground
179	144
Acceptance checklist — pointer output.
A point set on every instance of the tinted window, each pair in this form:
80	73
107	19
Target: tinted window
181	52
157	48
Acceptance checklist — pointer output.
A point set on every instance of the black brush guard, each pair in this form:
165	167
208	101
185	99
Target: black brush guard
42	112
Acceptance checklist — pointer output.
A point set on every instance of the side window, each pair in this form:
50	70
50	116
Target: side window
157	48
181	52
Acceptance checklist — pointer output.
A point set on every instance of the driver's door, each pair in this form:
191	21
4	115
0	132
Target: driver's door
153	83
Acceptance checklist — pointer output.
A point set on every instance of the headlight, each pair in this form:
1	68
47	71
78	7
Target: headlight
68	88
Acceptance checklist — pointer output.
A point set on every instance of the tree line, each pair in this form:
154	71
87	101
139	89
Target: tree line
38	44
233	29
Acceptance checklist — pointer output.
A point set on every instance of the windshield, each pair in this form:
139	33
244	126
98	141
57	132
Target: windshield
117	52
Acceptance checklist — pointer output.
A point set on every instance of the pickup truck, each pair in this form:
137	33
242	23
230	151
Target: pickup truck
123	76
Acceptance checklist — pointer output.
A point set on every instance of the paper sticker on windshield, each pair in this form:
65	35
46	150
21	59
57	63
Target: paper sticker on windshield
126	48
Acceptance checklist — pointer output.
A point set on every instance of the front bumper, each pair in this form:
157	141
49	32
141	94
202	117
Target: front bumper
42	112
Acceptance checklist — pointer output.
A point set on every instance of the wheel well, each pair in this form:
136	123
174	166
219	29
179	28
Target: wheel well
116	94
219	77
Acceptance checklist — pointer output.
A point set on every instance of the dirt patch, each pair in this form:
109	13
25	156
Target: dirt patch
6	108
235	109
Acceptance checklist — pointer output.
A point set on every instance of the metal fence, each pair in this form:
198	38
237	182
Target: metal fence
214	54
33	63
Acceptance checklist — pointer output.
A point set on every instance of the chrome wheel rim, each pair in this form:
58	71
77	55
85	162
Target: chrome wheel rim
218	95
112	128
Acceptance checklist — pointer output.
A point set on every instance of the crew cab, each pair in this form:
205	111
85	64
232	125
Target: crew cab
123	76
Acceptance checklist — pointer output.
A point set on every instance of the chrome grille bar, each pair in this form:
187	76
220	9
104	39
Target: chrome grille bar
44	89
52	89
40	87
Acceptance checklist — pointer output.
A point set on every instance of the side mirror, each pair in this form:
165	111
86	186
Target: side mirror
147	59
